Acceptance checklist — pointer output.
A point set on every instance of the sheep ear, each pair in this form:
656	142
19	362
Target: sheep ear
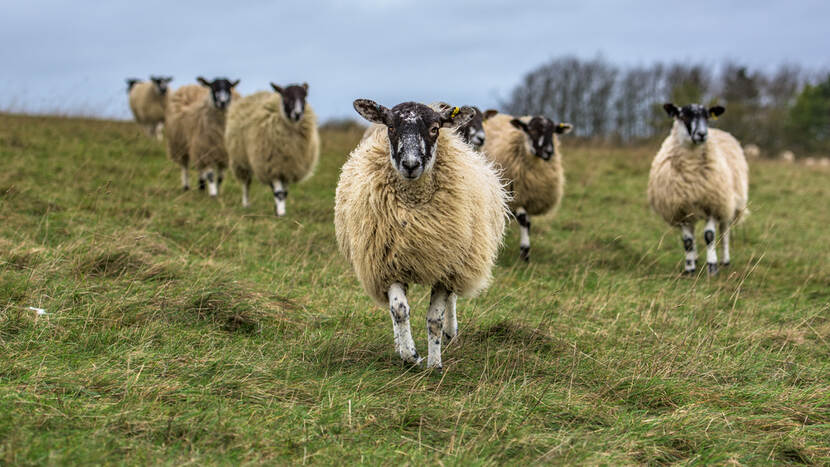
276	88
716	111
490	113
373	112
234	83
564	128
305	87
519	124
671	109
454	117
203	81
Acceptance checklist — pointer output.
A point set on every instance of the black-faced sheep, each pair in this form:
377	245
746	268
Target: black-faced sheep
699	174
526	150
273	137
196	129
415	204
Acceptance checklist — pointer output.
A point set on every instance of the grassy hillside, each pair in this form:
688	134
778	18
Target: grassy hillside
184	329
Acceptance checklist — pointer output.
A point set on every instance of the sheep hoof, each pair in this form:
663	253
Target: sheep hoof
202	185
689	272
185	188
713	268
524	253
726	264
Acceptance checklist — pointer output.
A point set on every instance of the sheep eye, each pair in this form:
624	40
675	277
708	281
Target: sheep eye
433	131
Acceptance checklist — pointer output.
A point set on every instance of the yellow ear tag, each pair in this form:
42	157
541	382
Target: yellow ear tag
714	117
455	111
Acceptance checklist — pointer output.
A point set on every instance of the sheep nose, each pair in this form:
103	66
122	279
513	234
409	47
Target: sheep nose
410	164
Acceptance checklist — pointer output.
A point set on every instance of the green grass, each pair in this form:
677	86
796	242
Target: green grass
185	329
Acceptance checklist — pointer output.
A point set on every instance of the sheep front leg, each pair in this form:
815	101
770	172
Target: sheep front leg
725	229
280	194
435	324
524	234
450	319
399	309
711	251
212	185
159	131
687	232
185	179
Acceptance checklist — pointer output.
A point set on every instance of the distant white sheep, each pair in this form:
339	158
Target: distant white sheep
148	102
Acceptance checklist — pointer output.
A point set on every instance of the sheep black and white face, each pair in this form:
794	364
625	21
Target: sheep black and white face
221	91
540	132
695	118
293	100
473	131
413	131
161	83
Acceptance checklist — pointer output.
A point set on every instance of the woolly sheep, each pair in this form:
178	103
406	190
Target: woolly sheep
471	132
752	151
415	204
148	102
195	130
526	149
273	137
699	174
787	156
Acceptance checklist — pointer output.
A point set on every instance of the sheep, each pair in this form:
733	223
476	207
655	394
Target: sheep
471	132
273	137
787	156
196	127
699	174
752	151
148	102
415	204
526	149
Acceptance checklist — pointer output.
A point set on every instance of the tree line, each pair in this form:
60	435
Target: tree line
783	108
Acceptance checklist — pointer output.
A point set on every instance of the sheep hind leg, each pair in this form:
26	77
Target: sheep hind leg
725	231
435	324
450	319
246	185
524	234
687	232
280	194
711	251
399	309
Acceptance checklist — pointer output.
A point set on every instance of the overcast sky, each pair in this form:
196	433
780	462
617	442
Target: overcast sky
73	56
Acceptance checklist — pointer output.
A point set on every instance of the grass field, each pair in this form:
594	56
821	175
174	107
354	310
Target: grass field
181	329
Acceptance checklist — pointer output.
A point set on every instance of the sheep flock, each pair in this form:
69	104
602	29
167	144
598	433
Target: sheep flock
426	195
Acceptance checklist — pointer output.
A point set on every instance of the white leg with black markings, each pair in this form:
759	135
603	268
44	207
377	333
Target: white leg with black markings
711	250
450	319
399	309
280	194
687	232
725	230
435	324
524	233
185	179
